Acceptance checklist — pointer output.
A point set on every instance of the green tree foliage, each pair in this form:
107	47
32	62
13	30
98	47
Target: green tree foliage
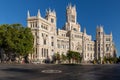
74	56
63	57
16	39
118	59
70	55
110	59
56	57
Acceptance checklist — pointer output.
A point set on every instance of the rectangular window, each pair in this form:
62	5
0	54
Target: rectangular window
91	48
35	33
58	45
47	52
36	53
87	48
88	54
36	24
44	41
42	35
98	48
41	26
107	39
52	20
42	52
31	25
52	43
98	33
107	48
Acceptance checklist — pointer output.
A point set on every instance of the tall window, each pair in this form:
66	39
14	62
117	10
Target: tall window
44	41
52	43
98	33
52	20
88	54
47	52
51	37
107	48
36	24
91	55
36	53
31	24
98	48
58	45
42	52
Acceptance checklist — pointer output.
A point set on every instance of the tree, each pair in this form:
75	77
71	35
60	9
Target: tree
15	40
74	56
78	57
110	59
118	59
69	56
56	58
105	59
63	57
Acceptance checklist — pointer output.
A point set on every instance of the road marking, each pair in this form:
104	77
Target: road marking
51	71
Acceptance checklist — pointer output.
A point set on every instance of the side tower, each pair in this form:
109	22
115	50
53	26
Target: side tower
71	19
104	45
99	42
34	24
44	32
109	47
51	18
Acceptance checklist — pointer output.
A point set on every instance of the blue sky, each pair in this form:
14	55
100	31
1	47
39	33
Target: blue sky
90	13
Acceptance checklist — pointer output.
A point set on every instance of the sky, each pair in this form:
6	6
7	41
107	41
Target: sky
90	13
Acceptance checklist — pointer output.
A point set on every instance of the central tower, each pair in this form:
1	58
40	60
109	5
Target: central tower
71	19
71	13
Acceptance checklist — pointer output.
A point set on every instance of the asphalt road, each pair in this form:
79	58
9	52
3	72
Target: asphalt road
67	72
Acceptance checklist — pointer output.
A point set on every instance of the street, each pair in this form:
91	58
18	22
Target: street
65	72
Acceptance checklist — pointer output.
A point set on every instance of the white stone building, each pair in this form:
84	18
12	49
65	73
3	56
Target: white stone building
48	40
104	44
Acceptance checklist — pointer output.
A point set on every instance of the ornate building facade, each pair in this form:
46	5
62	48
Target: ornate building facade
48	40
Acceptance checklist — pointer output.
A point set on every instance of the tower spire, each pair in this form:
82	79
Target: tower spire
28	14
84	30
111	33
38	15
74	7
